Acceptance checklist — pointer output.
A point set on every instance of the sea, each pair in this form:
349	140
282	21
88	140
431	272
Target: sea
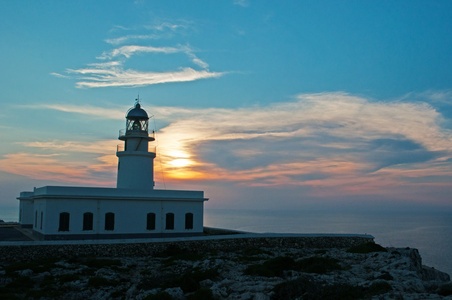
428	231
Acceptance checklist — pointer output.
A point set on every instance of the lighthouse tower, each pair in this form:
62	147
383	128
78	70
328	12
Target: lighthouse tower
136	159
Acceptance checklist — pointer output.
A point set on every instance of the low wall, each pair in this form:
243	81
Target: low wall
29	252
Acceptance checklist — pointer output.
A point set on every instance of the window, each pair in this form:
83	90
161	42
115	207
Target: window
88	221
64	221
36	219
188	221
109	221
42	217
150	221
169	221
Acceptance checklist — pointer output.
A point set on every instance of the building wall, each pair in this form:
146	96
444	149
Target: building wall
39	215
130	215
26	213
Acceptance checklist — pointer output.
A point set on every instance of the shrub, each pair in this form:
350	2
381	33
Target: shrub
367	248
379	287
190	281
188	284
201	294
272	267
293	289
170	250
319	265
201	275
119	293
253	254
152	282
68	277
21	283
445	289
385	276
98	263
307	288
36	266
5	294
98	281
44	293
159	296
48	282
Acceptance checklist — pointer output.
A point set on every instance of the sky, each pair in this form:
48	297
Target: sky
261	104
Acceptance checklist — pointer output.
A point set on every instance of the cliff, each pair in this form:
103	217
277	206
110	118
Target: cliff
230	268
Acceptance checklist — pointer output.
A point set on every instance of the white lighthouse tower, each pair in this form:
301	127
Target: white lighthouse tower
136	159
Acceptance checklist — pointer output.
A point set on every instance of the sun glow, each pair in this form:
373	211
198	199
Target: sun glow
181	162
178	154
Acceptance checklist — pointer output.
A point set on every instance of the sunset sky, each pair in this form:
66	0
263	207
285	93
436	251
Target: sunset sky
261	104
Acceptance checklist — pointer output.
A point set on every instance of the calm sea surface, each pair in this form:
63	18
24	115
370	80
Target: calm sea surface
430	232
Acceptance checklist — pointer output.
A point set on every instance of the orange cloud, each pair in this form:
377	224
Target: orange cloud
49	167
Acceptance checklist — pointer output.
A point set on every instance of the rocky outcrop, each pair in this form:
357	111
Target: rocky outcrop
264	272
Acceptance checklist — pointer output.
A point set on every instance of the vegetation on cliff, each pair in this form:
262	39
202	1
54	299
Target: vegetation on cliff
360	272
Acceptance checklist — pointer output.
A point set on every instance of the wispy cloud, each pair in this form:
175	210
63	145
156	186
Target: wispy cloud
242	3
128	51
59	75
99	147
97	112
131	78
162	30
133	37
113	70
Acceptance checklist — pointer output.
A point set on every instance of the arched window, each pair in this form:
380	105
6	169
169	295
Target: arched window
150	221
169	221
109	221
188	221
64	222
88	221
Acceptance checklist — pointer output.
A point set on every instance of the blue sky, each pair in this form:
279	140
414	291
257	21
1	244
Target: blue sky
259	103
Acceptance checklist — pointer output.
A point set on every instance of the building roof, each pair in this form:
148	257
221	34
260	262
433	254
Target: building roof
137	113
111	194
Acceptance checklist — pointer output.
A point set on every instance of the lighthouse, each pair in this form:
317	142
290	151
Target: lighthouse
134	209
136	158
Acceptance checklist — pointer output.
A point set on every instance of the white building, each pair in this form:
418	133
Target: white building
134	209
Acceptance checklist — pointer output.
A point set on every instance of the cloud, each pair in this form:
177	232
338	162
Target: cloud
162	30
53	167
242	3
131	78
324	145
124	39
333	142
99	147
89	110
130	50
59	75
113	71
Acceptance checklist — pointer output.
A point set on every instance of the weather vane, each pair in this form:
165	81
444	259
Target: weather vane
138	99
